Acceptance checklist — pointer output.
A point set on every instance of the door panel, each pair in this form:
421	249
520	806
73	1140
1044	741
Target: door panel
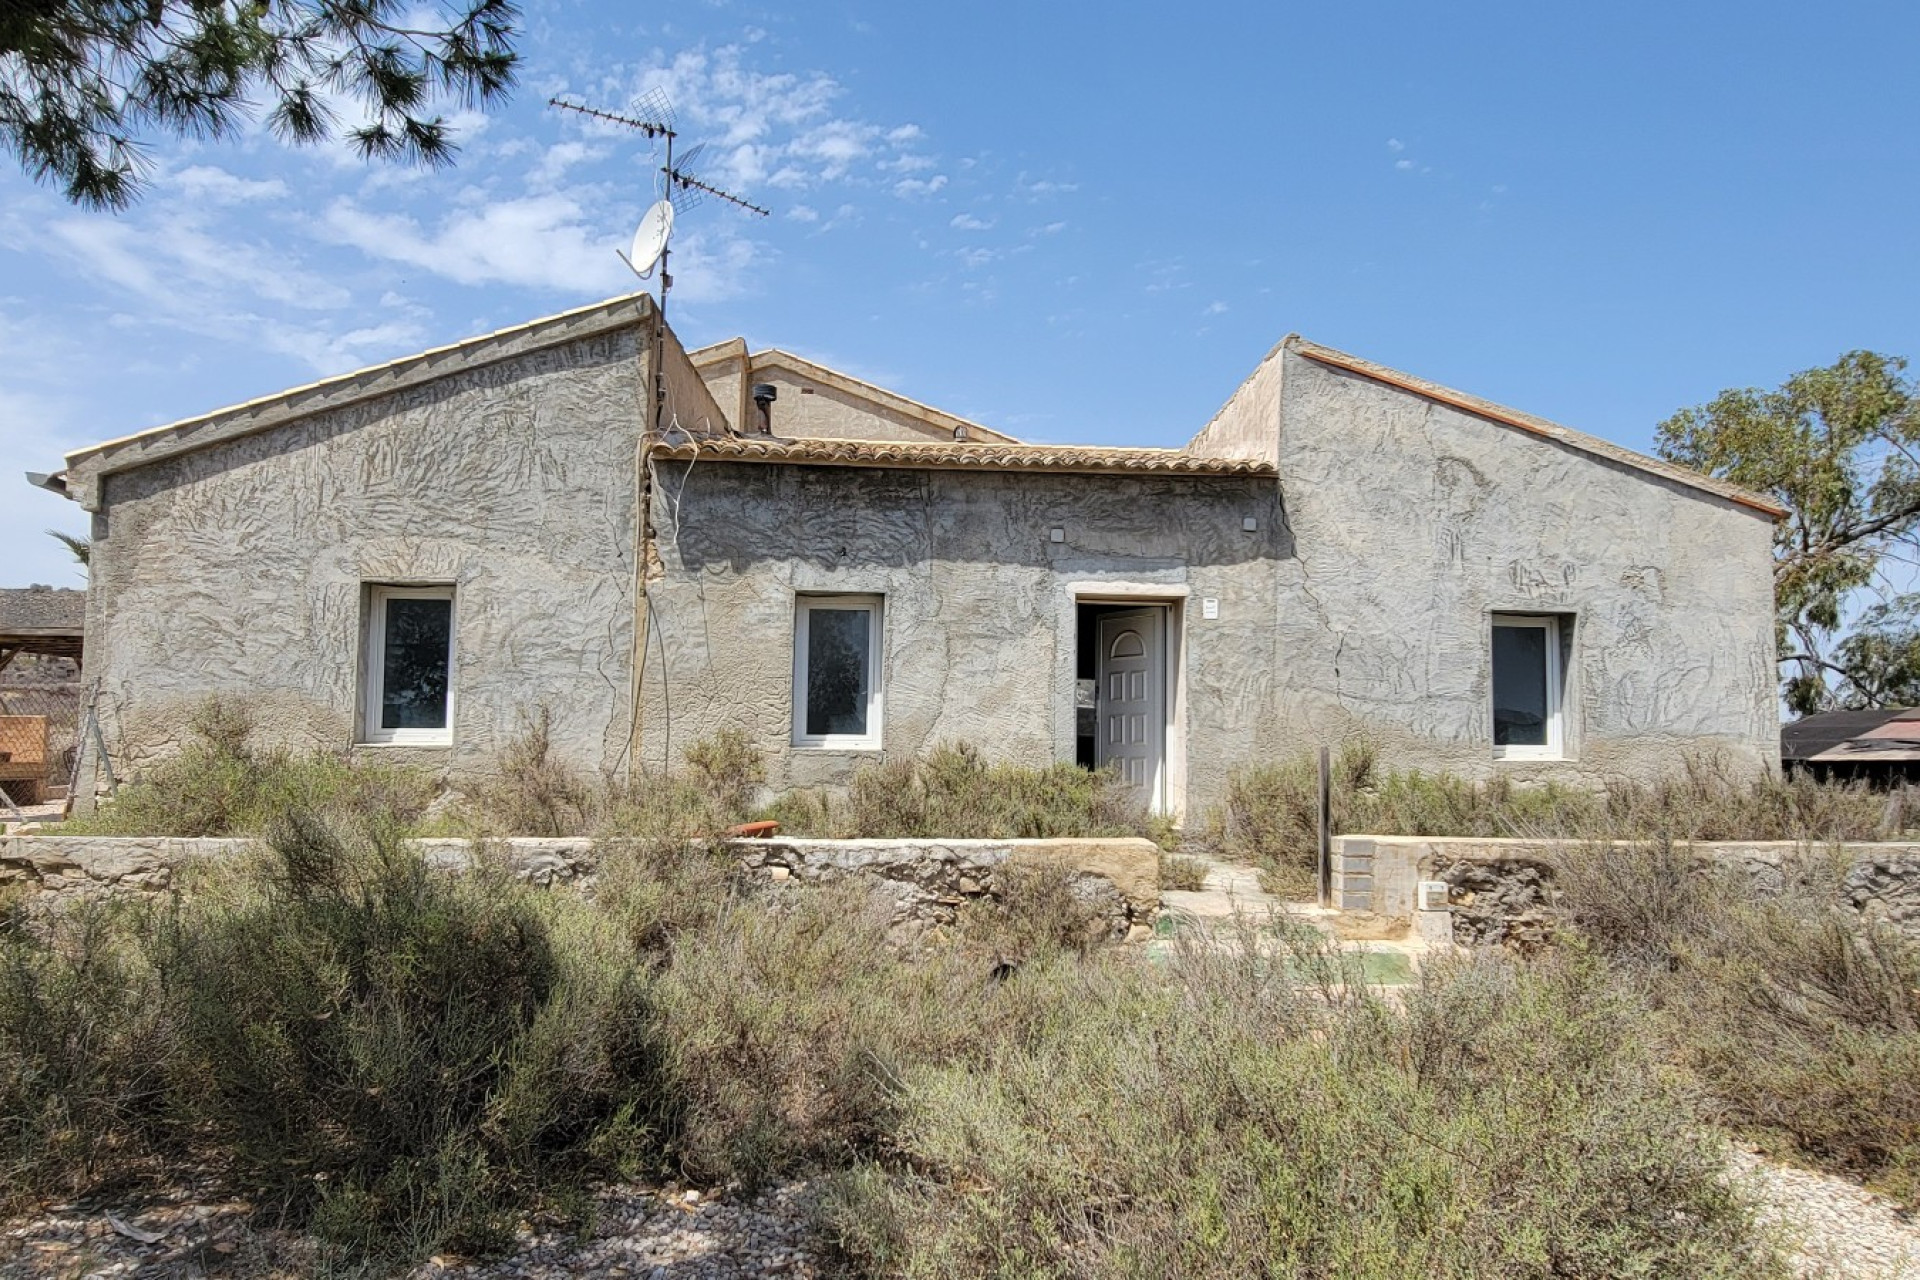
1132	710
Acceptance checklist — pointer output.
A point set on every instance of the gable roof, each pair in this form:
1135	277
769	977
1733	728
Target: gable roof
204	429
775	358
970	456
1577	440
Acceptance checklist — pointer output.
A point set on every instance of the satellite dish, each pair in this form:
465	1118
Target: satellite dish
650	239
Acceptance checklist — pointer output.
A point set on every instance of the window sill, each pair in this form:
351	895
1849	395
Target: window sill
858	745
382	743
1553	758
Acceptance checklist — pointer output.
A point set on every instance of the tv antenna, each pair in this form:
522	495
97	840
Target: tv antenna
681	188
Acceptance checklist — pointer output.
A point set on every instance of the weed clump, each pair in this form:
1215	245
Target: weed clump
1800	1018
954	791
402	1055
220	783
1270	813
1182	873
81	1043
1506	1120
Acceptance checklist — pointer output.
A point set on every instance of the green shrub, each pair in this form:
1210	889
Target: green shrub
1270	813
220	784
955	792
407	1054
1037	909
728	770
82	1040
656	888
1181	873
1507	1121
530	792
1800	1018
789	1027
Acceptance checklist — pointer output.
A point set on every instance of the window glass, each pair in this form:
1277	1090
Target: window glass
839	644
1520	696
417	644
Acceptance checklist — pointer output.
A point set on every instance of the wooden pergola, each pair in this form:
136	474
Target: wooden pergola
42	620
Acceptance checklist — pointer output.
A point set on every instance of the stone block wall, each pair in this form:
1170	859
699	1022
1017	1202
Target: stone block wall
928	881
1501	891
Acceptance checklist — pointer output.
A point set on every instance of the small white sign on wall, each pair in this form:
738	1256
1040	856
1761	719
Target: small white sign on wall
1210	607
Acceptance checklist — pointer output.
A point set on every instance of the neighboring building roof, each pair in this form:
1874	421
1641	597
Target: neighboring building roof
42	610
381	379
40	619
1567	436
775	358
971	456
1845	737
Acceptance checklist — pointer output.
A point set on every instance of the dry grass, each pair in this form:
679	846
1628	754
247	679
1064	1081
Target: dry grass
222	784
1505	1121
1181	873
1269	816
954	791
1800	1018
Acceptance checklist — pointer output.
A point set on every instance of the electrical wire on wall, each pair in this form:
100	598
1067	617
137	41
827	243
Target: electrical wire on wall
674	496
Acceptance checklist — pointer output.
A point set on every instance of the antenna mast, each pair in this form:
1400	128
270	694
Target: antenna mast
680	189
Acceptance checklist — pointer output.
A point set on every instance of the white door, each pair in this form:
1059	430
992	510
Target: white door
1132	733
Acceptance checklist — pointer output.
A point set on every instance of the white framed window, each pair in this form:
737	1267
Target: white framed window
1528	688
407	692
837	681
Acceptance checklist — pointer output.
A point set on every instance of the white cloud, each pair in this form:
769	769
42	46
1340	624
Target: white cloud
543	241
967	222
213	185
1403	165
1051	229
1040	190
912	188
559	158
1215	308
179	268
797	138
803	213
1394	144
974	259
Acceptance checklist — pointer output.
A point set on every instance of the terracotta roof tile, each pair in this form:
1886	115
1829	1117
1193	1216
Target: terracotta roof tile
981	456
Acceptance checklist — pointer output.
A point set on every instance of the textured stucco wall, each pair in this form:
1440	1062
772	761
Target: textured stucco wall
1247	425
692	402
1412	522
808	409
238	568
979	614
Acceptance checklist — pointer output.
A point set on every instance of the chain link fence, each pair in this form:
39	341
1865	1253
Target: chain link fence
40	701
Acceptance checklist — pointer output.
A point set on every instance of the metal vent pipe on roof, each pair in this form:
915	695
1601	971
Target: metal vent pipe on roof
764	394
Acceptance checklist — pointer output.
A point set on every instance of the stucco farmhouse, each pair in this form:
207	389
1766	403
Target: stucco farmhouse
578	515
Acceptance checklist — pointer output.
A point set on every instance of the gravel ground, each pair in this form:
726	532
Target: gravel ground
1835	1228
649	1234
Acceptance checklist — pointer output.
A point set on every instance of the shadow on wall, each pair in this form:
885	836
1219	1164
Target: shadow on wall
737	516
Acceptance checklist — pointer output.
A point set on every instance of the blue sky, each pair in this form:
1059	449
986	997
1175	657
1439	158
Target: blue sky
1077	223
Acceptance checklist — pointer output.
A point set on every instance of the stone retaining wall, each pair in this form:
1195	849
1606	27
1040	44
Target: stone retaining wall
1502	890
929	881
